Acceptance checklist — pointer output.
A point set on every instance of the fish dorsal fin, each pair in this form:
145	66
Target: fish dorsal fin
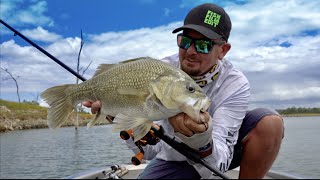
132	91
103	68
135	59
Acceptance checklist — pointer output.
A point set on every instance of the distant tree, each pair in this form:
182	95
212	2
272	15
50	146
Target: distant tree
79	108
36	97
14	79
295	110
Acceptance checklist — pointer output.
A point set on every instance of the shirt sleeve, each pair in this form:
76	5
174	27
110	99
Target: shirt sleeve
227	120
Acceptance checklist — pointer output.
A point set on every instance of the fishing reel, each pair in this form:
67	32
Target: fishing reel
148	139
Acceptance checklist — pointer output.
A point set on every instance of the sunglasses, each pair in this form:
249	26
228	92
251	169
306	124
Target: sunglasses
201	45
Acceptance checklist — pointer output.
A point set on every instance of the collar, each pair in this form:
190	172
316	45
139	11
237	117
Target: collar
210	76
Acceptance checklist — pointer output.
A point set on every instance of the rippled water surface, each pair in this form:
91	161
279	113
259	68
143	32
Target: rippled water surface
44	153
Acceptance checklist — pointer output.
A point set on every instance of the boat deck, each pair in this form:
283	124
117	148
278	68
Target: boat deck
132	172
233	174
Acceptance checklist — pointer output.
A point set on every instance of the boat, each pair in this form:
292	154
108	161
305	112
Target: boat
129	171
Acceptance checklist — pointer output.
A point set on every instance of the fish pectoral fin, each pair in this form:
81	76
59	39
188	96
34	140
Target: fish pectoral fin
94	120
99	117
139	126
133	91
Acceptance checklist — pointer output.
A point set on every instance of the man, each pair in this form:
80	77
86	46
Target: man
231	135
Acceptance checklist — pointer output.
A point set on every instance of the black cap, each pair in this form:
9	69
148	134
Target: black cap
208	19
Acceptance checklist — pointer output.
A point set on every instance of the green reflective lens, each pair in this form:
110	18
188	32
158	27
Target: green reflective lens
185	42
201	46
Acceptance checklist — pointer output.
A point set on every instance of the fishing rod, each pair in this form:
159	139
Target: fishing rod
158	131
185	150
43	51
152	137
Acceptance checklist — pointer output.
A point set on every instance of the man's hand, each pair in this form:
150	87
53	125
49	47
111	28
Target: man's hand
197	135
183	124
95	106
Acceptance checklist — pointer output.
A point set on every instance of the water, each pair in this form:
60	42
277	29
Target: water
299	153
44	153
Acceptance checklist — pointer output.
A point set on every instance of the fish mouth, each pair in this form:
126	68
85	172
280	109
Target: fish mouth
193	108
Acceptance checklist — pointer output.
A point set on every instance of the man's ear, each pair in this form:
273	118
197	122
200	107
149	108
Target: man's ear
224	50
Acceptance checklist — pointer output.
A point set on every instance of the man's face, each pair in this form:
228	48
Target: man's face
194	63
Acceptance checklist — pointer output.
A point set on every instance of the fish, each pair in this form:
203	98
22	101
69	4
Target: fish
135	92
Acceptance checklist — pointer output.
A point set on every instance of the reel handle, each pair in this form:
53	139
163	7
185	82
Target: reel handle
136	159
125	135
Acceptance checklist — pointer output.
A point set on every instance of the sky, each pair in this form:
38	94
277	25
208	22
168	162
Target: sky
275	43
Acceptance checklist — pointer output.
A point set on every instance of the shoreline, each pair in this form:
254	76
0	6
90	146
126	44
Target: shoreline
39	124
7	125
301	115
20	116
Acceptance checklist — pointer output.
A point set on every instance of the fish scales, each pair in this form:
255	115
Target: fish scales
135	92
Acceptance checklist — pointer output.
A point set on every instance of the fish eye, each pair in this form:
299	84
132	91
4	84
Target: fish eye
190	88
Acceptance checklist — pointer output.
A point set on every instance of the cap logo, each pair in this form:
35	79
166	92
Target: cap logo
212	18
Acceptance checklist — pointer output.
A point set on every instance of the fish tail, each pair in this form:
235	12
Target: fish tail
139	126
61	104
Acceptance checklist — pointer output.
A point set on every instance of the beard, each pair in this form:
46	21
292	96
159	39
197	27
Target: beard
189	70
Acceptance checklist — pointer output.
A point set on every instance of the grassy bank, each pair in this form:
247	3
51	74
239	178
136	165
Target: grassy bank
18	116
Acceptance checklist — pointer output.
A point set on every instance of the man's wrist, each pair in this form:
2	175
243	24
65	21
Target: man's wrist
205	150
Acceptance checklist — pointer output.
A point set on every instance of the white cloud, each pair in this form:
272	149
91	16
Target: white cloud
260	21
116	46
41	34
296	93
279	76
281	92
17	12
